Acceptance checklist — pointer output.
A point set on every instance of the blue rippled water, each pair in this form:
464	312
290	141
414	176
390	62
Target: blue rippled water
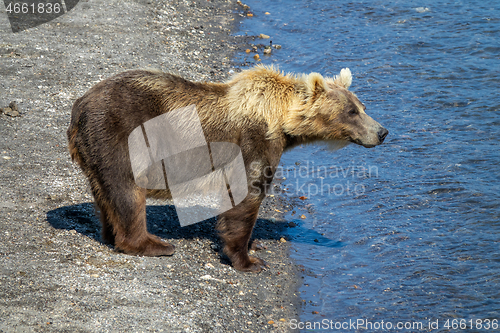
408	231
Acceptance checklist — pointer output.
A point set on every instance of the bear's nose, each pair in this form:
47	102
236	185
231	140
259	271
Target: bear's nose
382	134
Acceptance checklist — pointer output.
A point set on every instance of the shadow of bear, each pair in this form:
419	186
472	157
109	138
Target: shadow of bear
162	221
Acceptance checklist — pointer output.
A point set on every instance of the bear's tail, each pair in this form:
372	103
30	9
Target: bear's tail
72	133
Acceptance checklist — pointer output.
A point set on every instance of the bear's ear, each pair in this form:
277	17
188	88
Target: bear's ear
344	79
315	84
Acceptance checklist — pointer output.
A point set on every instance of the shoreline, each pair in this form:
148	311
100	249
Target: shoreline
55	274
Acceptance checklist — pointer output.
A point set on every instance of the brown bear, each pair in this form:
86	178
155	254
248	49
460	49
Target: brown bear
261	110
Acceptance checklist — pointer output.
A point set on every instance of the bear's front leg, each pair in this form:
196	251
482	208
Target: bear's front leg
235	227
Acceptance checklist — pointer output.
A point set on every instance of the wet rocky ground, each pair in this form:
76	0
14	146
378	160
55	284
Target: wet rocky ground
55	273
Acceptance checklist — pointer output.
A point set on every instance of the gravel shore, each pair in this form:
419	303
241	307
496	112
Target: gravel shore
55	274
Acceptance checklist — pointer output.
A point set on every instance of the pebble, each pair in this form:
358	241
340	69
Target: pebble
12	110
263	36
9	112
245	7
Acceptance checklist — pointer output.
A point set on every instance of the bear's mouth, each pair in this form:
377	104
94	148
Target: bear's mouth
358	142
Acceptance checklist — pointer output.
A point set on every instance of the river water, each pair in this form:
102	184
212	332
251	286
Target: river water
407	233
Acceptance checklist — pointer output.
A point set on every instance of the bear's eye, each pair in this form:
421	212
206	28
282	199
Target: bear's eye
353	112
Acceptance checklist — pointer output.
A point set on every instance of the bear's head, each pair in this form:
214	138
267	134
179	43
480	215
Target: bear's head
326	110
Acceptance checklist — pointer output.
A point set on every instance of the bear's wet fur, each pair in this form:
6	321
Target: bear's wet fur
261	110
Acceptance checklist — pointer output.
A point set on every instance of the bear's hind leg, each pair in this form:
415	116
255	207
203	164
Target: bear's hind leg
101	209
128	220
107	234
235	227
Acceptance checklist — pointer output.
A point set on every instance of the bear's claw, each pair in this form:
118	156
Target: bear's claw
257	246
257	265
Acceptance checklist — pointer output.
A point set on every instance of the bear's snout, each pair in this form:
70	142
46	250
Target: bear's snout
382	133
